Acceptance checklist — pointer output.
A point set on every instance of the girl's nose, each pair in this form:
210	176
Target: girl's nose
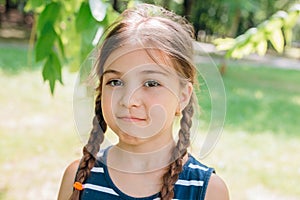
131	97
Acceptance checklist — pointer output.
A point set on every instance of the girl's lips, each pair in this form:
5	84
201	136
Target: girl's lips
131	119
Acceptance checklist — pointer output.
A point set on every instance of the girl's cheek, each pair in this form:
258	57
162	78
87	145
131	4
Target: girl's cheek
106	102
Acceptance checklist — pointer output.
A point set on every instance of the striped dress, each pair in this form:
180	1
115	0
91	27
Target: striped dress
191	185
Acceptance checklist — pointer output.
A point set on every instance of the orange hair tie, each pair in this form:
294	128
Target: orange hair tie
78	186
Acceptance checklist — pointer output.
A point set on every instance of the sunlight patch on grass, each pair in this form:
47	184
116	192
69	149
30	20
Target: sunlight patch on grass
296	100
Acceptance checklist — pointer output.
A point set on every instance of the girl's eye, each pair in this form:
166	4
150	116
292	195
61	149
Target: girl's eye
115	83
151	83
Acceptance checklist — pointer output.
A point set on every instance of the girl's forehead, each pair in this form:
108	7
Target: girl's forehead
138	56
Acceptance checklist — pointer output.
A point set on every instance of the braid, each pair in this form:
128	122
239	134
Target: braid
91	149
180	150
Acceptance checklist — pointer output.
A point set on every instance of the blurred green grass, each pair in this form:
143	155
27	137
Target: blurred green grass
256	154
16	57
259	99
262	99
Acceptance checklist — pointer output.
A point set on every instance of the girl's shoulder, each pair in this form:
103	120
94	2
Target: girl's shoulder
217	189
200	181
67	181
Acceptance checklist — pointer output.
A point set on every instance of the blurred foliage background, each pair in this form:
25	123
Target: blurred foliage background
44	40
64	32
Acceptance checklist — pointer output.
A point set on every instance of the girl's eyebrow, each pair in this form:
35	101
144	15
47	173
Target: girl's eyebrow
111	71
154	72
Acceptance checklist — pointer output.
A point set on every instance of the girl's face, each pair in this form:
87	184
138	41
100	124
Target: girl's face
139	97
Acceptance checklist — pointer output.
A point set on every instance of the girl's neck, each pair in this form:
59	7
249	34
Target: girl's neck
128	160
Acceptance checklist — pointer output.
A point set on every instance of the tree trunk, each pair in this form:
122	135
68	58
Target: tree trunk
166	4
116	6
7	5
235	23
187	6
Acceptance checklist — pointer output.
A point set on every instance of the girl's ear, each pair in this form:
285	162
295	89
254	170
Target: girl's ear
185	95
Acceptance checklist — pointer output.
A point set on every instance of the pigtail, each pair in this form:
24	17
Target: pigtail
91	149
180	150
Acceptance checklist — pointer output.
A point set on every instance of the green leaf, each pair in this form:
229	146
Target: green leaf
288	33
235	53
277	40
242	49
291	19
258	36
52	71
256	39
280	14
250	32
247	48
272	25
45	42
84	18
33	4
61	46
261	47
242	39
86	42
224	44
49	15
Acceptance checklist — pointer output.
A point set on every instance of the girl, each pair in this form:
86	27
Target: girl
146	78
